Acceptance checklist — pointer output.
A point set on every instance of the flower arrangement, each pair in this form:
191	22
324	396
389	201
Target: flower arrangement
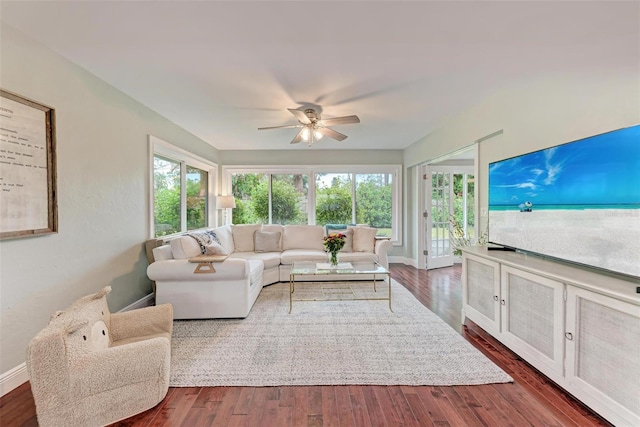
332	244
460	240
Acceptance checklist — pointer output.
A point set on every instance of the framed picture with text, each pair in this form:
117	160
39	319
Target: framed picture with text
28	203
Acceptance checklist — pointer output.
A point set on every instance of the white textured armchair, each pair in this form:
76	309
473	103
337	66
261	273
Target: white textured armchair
89	367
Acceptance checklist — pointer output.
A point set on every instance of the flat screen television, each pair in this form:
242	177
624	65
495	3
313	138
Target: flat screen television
578	202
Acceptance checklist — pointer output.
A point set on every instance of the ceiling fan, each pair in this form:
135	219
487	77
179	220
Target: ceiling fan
313	128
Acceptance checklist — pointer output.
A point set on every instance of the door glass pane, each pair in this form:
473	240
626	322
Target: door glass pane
471	197
374	201
289	199
251	191
166	196
197	181
333	198
440	214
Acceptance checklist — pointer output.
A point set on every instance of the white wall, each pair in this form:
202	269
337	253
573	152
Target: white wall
536	114
103	195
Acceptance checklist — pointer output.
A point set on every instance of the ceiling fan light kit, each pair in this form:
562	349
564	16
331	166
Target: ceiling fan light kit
313	128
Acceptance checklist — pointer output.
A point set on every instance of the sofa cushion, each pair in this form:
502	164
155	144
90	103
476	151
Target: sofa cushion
295	255
225	237
267	241
270	259
243	236
185	247
303	237
364	239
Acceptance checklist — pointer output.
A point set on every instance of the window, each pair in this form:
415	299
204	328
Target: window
270	198
334	198
348	195
182	183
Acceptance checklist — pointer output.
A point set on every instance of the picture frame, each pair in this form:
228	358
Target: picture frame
28	186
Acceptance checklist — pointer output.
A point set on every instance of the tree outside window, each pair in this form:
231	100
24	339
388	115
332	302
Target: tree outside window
166	192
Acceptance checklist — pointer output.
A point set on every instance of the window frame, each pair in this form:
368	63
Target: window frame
312	170
159	147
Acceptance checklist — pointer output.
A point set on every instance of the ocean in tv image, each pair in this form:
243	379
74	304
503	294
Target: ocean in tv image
578	201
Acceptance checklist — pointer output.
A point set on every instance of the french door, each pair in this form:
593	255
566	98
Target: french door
448	195
438	185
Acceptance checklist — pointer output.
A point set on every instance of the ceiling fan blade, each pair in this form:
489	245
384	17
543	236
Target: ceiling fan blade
279	127
298	138
340	120
332	134
300	115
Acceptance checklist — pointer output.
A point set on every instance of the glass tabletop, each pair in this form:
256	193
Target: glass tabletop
315	268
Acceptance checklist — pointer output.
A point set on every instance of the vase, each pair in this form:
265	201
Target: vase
333	259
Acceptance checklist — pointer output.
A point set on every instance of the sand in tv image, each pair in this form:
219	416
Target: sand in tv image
578	201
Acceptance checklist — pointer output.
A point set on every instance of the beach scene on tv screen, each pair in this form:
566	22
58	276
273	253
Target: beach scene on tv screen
578	201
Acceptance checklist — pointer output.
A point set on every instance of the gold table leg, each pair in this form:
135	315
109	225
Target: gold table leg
389	279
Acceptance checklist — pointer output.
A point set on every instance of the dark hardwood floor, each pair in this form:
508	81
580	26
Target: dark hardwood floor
532	400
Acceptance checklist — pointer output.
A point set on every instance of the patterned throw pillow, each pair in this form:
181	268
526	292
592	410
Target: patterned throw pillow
209	243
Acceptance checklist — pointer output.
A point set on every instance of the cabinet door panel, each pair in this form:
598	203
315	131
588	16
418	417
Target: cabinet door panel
533	318
603	363
481	287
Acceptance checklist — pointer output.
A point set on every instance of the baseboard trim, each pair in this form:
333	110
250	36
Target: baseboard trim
17	376
13	378
145	301
403	260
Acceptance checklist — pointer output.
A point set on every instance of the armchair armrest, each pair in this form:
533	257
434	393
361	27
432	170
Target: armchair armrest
142	322
121	366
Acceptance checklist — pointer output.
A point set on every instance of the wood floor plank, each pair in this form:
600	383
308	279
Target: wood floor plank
403	410
533	400
359	406
343	404
329	407
376	415
244	401
419	411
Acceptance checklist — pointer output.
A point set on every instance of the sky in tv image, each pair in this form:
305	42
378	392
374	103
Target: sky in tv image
592	172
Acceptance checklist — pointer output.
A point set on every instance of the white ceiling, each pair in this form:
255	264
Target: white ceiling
223	69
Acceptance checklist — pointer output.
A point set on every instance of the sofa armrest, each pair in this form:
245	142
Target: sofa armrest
142	322
382	248
183	270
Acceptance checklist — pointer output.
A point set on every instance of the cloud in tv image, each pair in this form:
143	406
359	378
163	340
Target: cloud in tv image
578	201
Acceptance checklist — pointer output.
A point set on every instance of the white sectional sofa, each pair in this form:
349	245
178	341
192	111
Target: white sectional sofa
259	255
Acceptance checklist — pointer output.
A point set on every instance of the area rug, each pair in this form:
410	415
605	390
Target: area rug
328	343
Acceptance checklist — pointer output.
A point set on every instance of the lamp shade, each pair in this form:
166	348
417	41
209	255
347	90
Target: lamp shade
225	202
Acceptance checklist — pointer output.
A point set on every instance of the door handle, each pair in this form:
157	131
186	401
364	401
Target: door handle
569	336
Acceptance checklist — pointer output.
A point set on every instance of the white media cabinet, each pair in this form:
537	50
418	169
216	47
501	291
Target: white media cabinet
578	327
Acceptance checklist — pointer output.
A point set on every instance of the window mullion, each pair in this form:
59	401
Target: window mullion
183	196
270	220
353	199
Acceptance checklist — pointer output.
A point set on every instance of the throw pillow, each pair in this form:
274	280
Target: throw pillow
364	239
209	243
348	241
267	241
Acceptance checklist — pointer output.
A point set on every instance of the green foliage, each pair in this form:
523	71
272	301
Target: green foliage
167	211
284	202
243	213
373	204
333	204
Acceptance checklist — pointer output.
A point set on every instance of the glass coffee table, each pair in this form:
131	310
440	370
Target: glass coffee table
342	272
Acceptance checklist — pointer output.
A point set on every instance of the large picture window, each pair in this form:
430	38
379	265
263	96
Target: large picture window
348	195
182	190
